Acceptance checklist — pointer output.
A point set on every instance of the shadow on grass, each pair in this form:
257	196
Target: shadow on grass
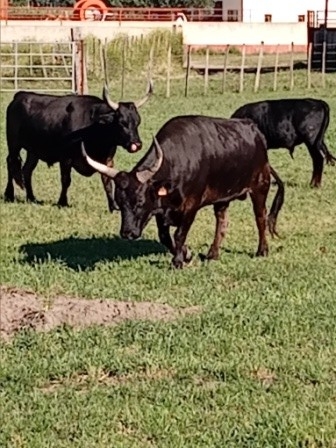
84	253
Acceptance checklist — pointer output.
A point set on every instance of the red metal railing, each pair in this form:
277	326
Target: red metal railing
115	14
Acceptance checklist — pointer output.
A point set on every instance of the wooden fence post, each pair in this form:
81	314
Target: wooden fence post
150	62
123	65
257	78
206	70
226	57
169	55
309	65
292	67
276	69
324	57
187	71
242	67
80	68
16	63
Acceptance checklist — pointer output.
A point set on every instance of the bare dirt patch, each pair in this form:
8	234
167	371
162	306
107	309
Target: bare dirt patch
265	376
24	310
81	381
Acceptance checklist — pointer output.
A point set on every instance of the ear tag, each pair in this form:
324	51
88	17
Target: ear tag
162	191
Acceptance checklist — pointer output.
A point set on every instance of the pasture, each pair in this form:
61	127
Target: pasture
251	362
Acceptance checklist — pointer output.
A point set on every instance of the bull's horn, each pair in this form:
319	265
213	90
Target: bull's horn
100	167
145	175
143	100
106	97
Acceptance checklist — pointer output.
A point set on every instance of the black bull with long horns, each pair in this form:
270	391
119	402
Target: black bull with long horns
50	128
196	161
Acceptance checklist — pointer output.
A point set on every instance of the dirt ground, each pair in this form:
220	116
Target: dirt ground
24	310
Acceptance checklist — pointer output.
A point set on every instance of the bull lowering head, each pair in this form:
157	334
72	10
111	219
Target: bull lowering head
135	192
126	119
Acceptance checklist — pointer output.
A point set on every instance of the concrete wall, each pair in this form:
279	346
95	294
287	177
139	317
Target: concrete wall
206	33
55	31
235	33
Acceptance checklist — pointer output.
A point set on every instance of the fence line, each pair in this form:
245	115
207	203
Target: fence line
66	67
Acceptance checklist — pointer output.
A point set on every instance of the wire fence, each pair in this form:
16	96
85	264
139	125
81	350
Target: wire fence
162	57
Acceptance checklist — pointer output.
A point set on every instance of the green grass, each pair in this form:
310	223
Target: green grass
255	368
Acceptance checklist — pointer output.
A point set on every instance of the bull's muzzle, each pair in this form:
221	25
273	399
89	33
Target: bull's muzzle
129	234
134	147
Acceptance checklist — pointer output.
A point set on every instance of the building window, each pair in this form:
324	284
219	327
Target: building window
232	15
301	18
268	17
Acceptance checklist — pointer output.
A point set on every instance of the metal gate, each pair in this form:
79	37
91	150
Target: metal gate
37	66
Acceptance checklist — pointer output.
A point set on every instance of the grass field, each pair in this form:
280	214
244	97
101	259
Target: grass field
255	366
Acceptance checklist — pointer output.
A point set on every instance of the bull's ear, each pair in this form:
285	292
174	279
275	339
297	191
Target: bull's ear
100	115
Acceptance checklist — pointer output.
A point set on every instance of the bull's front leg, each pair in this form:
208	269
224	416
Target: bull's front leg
182	252
164	235
65	167
109	188
220	210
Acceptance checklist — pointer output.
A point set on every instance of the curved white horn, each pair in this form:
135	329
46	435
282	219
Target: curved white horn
143	100
145	175
100	167
106	97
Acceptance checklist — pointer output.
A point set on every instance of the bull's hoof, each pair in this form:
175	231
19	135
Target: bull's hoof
262	252
9	194
113	208
209	256
177	263
33	200
188	255
8	198
62	204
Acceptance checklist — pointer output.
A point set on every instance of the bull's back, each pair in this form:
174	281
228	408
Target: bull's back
39	122
205	152
284	122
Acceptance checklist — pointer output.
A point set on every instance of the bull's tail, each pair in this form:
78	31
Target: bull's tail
15	168
276	205
14	162
330	159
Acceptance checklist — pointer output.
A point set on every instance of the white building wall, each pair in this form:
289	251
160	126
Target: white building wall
282	10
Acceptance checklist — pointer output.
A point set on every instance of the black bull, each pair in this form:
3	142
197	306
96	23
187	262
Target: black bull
287	123
51	128
193	162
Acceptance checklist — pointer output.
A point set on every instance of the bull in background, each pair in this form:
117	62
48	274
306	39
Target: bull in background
50	128
287	123
196	161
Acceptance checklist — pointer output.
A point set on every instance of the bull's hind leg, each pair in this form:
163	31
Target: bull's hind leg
220	210
9	192
318	162
65	167
260	189
14	172
27	170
